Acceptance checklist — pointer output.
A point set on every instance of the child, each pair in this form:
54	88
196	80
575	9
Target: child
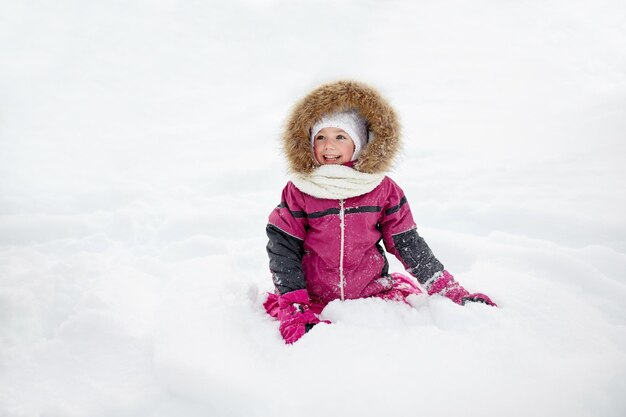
325	235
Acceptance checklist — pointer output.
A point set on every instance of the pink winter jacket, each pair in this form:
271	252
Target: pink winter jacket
332	247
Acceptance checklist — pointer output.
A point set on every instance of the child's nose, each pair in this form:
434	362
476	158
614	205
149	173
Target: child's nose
331	144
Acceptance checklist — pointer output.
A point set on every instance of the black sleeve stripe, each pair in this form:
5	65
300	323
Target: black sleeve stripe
295	214
396	207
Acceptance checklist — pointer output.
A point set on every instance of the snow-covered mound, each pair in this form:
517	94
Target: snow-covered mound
139	159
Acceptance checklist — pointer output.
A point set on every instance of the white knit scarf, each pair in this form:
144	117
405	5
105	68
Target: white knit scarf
336	182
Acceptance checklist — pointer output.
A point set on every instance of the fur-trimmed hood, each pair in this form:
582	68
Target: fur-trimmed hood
384	128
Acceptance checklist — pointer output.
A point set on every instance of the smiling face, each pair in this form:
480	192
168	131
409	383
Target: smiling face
333	146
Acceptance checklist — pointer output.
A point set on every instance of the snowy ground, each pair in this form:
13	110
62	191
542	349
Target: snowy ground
139	159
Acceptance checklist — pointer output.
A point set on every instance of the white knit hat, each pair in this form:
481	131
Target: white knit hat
349	121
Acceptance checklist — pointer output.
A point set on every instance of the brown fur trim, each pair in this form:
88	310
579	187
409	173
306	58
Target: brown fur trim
376	158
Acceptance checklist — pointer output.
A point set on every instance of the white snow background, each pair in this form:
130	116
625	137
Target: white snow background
140	158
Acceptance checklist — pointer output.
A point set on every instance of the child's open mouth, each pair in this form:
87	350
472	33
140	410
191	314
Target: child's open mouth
332	157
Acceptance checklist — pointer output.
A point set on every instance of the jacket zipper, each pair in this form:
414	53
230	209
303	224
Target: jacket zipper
342	216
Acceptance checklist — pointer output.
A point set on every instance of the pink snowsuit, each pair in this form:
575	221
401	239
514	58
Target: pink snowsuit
337	243
322	248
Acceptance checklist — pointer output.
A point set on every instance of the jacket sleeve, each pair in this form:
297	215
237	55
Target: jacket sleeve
286	230
402	240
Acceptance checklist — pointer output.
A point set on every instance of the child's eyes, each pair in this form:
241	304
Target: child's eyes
338	137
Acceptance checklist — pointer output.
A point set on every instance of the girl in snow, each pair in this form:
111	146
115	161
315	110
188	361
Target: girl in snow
325	235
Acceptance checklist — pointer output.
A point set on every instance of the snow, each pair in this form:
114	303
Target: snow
140	157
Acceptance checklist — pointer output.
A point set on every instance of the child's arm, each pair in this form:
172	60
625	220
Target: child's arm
285	253
402	240
286	230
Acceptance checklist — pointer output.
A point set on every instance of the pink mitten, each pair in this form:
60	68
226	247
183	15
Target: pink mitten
446	285
295	316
